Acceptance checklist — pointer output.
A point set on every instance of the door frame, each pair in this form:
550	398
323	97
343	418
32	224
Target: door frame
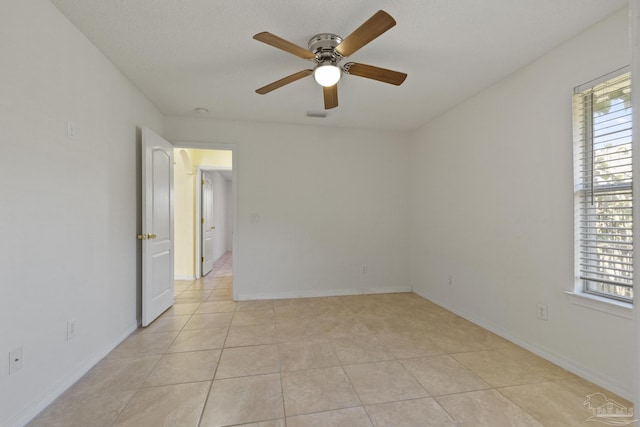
198	223
235	164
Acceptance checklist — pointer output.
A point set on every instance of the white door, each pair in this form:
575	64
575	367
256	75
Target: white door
207	222
157	226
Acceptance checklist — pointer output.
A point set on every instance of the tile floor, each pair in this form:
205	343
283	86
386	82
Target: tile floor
369	360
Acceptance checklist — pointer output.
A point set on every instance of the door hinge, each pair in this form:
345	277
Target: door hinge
203	182
202	220
202	259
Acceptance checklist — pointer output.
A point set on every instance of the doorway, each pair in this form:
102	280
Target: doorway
214	235
205	208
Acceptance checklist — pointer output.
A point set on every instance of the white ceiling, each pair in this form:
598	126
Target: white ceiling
184	54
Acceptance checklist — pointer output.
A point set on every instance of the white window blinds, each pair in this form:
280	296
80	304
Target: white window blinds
603	175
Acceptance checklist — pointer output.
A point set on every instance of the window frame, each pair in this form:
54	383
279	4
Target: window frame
584	141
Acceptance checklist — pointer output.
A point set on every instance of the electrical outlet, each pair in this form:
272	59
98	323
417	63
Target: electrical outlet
542	312
15	360
364	268
72	330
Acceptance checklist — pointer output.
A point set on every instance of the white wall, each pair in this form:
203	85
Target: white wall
328	201
69	207
492	193
184	182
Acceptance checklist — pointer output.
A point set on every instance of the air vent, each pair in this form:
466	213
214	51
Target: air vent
318	114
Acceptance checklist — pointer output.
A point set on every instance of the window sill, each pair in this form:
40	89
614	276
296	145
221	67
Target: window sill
594	302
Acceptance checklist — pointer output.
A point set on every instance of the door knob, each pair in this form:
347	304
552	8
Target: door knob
142	237
152	236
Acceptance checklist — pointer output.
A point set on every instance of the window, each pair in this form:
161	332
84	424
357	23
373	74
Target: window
603	182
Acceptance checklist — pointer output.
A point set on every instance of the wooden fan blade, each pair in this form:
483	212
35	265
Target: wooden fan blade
284	81
365	33
330	96
287	46
375	73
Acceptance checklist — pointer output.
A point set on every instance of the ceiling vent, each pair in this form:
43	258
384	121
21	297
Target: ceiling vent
318	114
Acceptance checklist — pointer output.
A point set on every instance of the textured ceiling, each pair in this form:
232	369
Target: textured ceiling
184	54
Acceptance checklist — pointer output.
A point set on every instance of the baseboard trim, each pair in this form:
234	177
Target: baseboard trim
545	353
328	293
387	290
56	390
192	277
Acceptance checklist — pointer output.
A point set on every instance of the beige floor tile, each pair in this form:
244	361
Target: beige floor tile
166	324
219	294
196	293
199	339
342	327
555	406
195	300
323	312
204	285
272	423
240	336
301	330
485	408
585	388
410	413
349	417
255	317
181	309
324	301
458	339
82	411
383	382
245	361
311	354
208	321
255	305
407	345
379	324
317	390
182	284
243	400
114	375
138	344
443	375
503	368
293	313
290	303
360	349
188	367
216	307
178	405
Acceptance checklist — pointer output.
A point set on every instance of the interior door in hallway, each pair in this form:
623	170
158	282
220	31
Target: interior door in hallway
157	226
207	226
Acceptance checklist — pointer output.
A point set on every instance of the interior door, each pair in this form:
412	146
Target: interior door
207	222
157	226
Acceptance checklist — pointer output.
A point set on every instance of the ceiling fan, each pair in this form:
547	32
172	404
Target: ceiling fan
326	50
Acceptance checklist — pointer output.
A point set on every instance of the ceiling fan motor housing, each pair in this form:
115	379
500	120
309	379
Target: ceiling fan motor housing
323	45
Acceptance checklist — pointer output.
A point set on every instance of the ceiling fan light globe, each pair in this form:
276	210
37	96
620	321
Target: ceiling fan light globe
327	75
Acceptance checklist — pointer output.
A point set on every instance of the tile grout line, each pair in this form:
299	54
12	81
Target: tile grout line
206	400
